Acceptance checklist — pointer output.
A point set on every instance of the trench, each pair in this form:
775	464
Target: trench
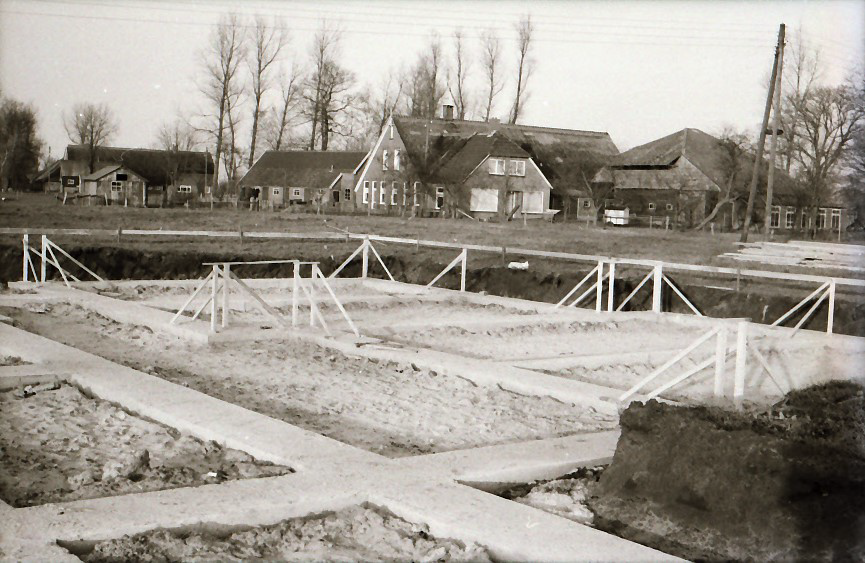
546	280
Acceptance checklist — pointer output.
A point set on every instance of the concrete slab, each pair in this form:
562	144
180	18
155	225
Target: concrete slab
13	377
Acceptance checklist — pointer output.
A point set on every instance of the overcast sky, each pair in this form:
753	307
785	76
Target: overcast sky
639	70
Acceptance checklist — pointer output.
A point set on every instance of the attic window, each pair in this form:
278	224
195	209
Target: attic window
517	168
497	166
396	159
588	203
184	189
391	132
384	160
651	206
121	177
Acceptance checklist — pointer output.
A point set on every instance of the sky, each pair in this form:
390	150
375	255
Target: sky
636	69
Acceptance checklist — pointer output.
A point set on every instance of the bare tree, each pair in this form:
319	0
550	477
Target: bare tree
20	145
90	125
284	115
524	67
377	103
423	85
491	53
802	73
323	55
268	41
458	76
734	164
177	138
221	87
335	99
831	117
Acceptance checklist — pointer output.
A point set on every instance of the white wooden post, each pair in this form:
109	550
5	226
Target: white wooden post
44	264
26	244
611	295
225	277
831	320
463	270
657	286
311	295
720	361
214	310
599	291
365	269
295	288
741	363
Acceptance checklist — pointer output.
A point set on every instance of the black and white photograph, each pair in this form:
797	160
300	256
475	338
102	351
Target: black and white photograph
432	280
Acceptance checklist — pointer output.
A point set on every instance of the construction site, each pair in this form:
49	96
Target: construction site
289	408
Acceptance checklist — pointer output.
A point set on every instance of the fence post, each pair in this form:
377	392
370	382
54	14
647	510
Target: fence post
311	295
365	267
463	271
741	363
225	276
214	310
26	244
720	361
831	320
657	286
44	264
599	292
611	295
294	289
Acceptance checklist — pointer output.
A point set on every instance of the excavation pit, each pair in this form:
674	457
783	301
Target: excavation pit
356	533
60	445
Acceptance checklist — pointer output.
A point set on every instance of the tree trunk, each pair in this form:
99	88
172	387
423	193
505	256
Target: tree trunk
714	212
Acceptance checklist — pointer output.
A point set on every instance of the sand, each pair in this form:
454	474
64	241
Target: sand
389	408
358	533
59	445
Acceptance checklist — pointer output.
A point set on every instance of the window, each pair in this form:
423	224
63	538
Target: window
382	195
440	197
277	191
669	207
183	189
821	218
651	206
391	133
393	189
587	203
207	189
365	192
533	202
517	168
415	190
775	217
804	218
121	177
116	186
372	195
384	160
497	166
295	192
404	194
836	219
790	218
347	195
396	154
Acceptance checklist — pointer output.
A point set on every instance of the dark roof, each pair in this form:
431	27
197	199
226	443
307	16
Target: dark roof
464	157
46	172
102	172
651	166
154	165
300	168
555	151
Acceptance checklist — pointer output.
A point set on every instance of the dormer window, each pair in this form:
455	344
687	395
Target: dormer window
396	155
384	160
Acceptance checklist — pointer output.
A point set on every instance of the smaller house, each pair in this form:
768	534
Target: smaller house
115	185
279	179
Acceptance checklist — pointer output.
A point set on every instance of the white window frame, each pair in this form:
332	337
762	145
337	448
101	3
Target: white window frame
835	219
440	193
116	186
390	134
404	194
587	203
275	190
372	194
775	217
295	192
496	166
365	199
804	218
347	194
184	189
414	193
821	218
393	188
652	206
790	218
384	156
382	194
396	158
517	168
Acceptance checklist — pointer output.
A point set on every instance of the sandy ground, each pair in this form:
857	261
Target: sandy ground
388	408
357	533
59	445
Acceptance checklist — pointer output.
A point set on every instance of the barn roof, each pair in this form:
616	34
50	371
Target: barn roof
555	151
102	172
300	168
154	165
466	156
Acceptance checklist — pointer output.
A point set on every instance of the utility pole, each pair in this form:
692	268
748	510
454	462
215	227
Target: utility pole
755	174
776	130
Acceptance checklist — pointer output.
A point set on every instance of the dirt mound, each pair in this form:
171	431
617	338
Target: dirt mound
785	483
353	534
